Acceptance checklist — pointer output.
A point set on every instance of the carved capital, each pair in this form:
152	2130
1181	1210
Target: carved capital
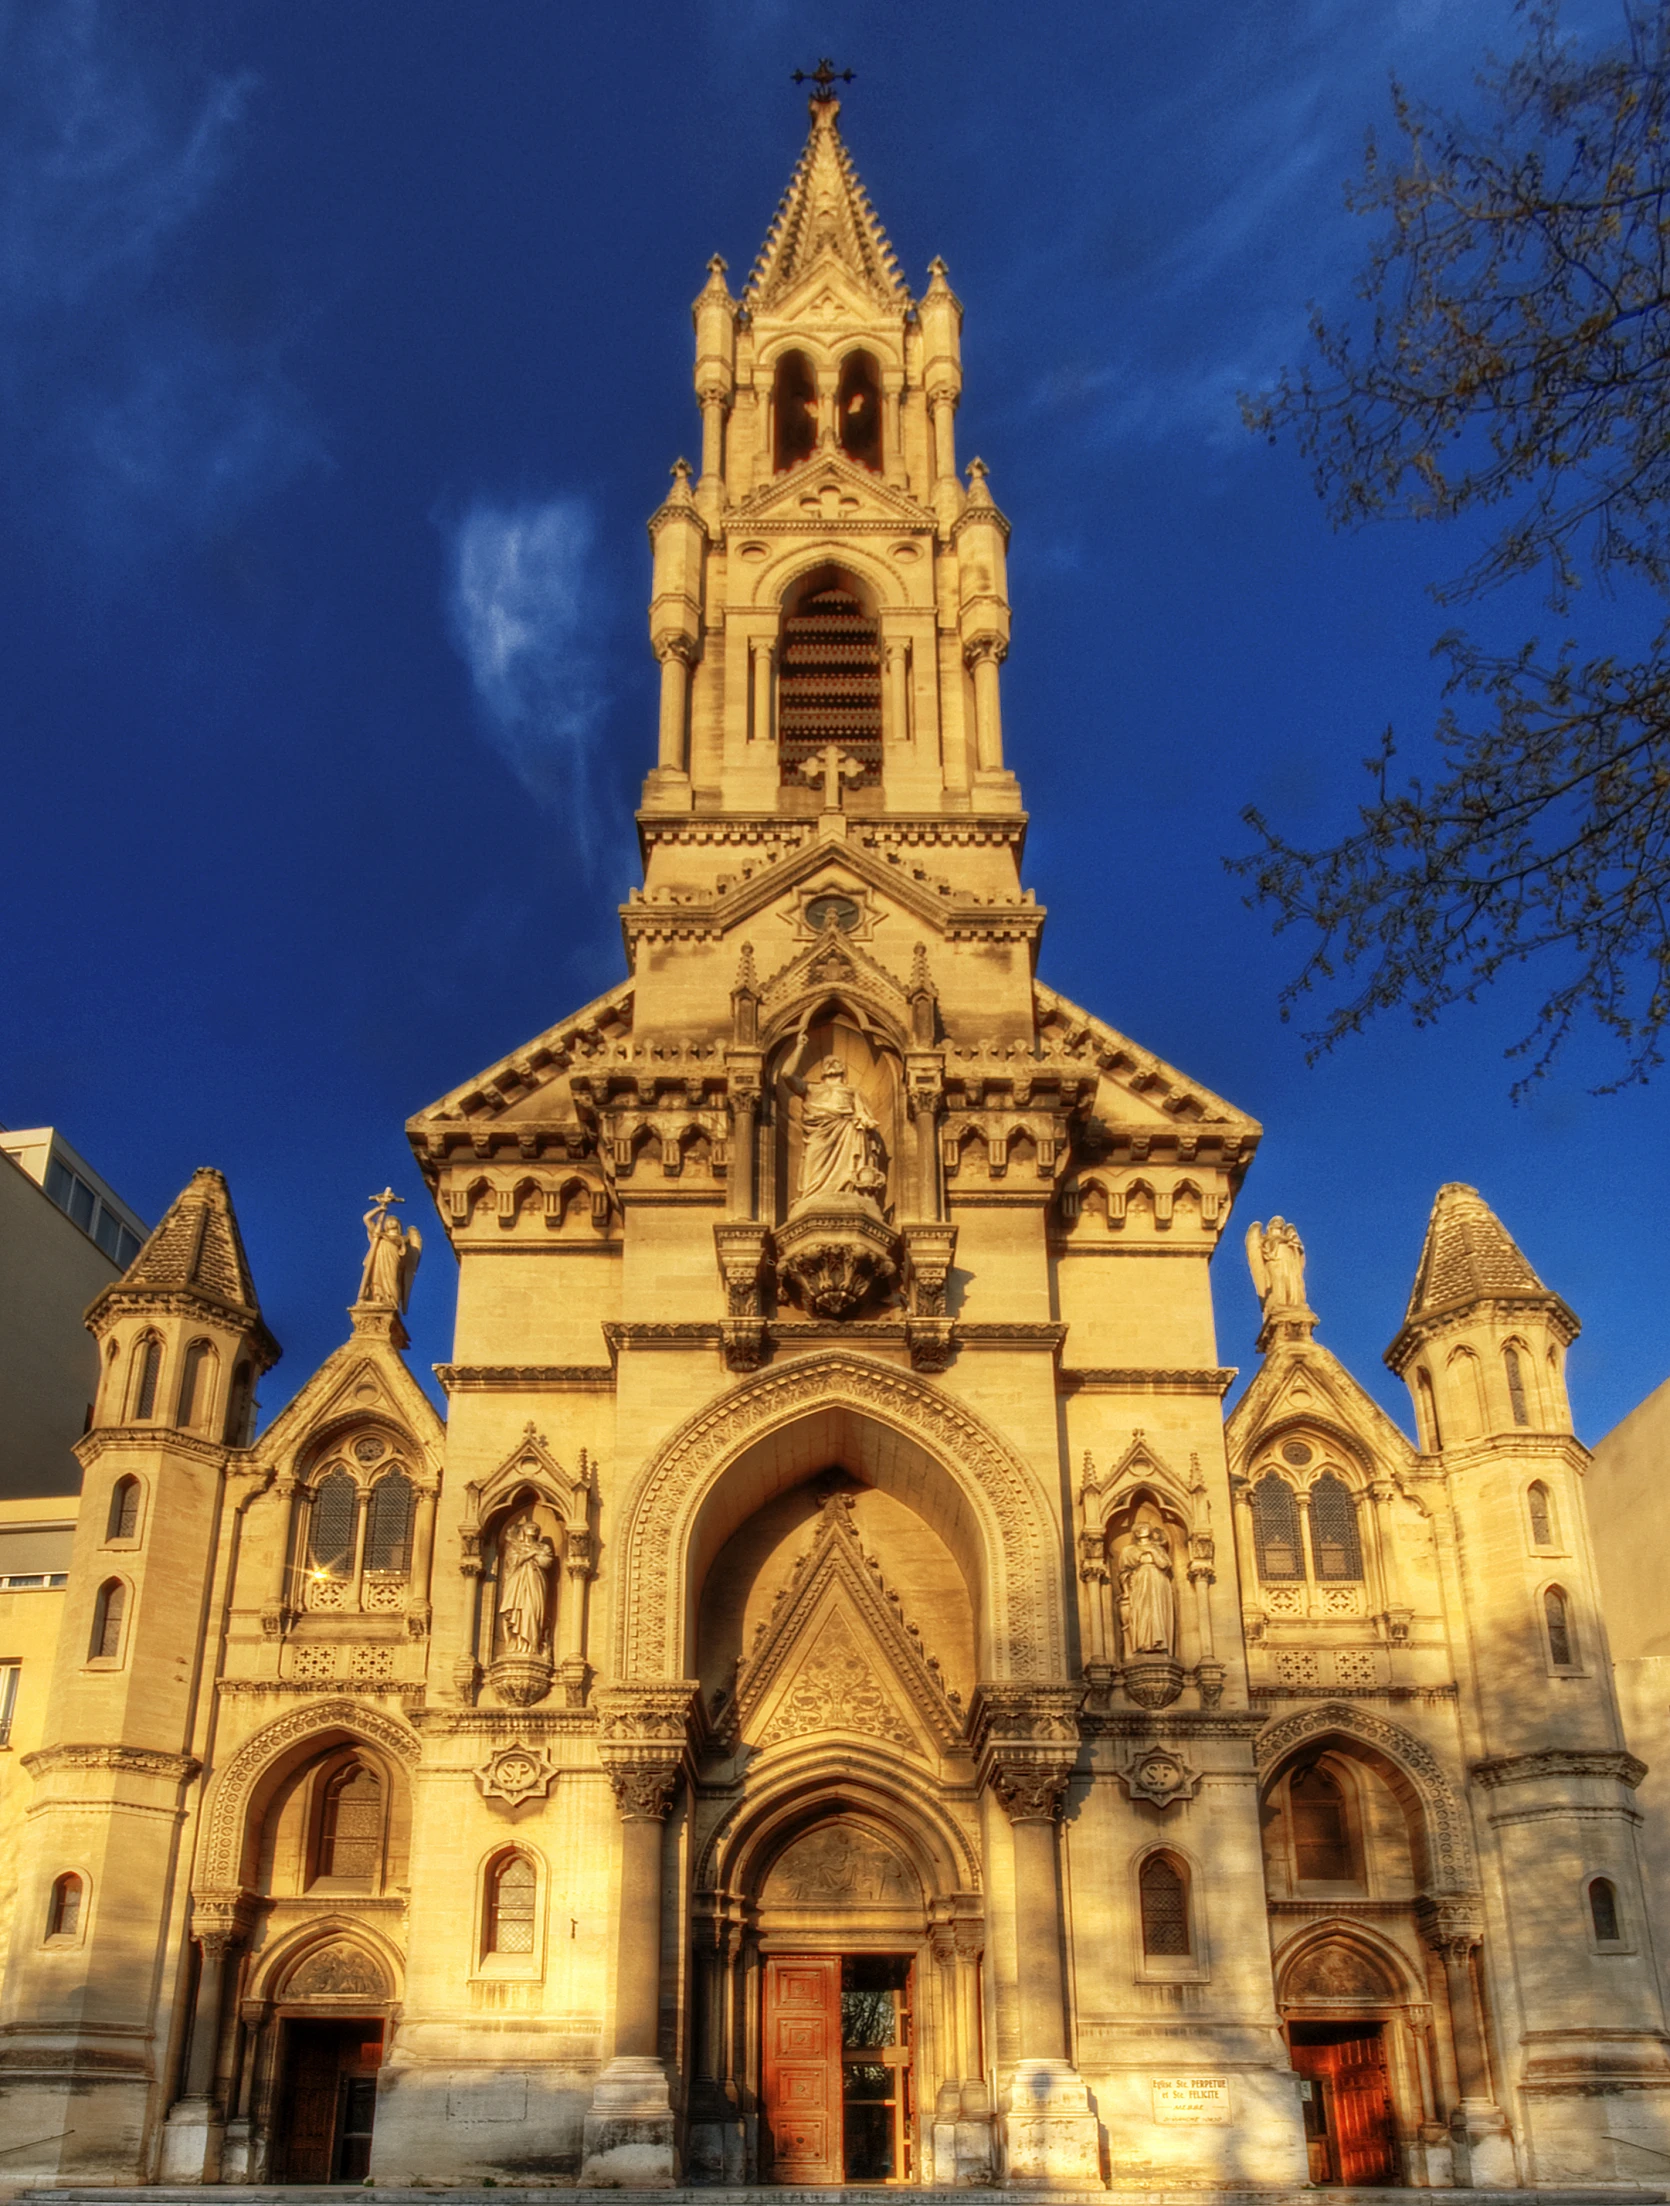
1452	1923
221	1918
1030	1788
1027	1737
653	1712
931	1248
643	1788
741	1250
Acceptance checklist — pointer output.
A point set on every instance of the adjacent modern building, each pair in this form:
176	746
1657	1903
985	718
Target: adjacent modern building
834	1701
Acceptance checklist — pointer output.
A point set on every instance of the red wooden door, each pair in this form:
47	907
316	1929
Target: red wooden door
802	2037
1348	2120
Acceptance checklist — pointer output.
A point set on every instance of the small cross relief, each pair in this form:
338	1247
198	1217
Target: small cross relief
831	767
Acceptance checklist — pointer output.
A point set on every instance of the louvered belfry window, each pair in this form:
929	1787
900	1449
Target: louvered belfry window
829	681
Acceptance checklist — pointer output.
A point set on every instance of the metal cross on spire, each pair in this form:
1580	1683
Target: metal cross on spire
825	76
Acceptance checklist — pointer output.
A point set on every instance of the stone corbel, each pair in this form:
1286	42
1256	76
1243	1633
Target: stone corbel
1026	1741
743	1250
643	1744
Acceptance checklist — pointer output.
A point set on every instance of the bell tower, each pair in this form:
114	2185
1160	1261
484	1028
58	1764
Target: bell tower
828	583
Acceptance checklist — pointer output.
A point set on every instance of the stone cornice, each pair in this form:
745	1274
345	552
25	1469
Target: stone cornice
1609	1764
1215	1380
125	1761
516	1378
107	1439
1414	1333
480	1723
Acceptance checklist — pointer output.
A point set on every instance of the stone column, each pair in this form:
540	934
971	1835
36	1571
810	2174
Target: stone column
984	658
896	660
629	2124
577	1563
762	654
942	411
1450	1925
423	1550
1026	1737
675	653
712	399
194	2135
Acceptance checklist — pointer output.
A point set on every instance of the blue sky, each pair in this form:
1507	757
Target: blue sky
343	353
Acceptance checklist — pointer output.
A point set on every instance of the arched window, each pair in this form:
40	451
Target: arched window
794	411
1467	1376
1562	1645
1603	1911
1276	1529
123	1520
1322	1849
388	1532
1515	1372
351	1827
332	1524
858	410
1431	1430
147	1370
511	1889
108	1608
1164	1894
63	1909
1333	1529
240	1407
197	1387
829	677
1540	1503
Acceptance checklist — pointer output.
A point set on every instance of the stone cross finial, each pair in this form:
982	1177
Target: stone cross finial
825	76
831	768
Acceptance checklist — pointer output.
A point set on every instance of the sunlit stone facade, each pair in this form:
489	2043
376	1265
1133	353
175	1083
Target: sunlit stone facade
833	1701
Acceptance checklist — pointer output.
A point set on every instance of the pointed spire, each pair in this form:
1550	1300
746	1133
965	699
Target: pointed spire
1469	1256
198	1251
825	210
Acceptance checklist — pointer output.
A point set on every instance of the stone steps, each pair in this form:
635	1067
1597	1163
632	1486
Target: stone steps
749	2194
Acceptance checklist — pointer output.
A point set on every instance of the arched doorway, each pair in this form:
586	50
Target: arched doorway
315	2040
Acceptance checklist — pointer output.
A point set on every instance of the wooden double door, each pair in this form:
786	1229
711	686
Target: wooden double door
1349	2130
328	2102
837	2078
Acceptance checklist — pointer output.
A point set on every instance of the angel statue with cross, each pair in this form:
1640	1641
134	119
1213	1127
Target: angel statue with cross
391	1261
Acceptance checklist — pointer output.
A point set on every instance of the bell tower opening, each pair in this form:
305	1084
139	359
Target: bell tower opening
794	411
829	683
858	410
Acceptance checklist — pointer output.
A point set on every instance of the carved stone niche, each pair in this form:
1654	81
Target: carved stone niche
833	1257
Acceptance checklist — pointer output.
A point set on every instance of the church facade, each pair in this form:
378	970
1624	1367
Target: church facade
834	1701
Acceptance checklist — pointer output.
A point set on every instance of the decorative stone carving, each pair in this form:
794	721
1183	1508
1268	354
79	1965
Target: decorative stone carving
842	1153
642	1732
337	1972
1335	1970
1276	1259
1159	1774
526	1559
838	1865
516	1773
1153	1684
1027	1741
643	1789
1147	1595
229	1805
1452	1923
837	1690
1452	1852
742	1249
1030	1790
831	1257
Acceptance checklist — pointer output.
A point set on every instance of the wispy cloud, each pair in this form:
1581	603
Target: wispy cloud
527	616
125	414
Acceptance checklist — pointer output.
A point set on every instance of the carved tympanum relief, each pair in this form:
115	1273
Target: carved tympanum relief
840	1865
337	1972
836	1689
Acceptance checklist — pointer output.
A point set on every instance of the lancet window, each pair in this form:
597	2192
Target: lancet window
794	411
349	1847
858	410
508	1916
1307	1533
829	678
147	1372
1539	1507
63	1911
240	1407
1163	1892
197	1387
360	1509
122	1523
1513	1370
1562	1639
109	1609
1324	1849
1603	1912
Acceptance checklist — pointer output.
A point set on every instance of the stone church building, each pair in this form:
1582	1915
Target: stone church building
834	1701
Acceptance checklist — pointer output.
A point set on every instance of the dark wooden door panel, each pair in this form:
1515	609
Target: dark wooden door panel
803	2067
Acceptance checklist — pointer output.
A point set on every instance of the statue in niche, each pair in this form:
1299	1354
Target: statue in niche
1276	1259
391	1261
1147	1595
841	1149
526	1559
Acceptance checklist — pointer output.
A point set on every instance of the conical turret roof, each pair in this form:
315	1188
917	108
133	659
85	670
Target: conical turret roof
197	1250
825	210
1469	1256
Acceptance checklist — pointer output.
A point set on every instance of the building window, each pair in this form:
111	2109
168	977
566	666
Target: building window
351	1827
147	1370
1603	1912
197	1387
63	1910
1333	1529
1540	1502
1562	1641
9	1673
332	1525
1515	1371
858	410
1164	1896
388	1537
1467	1373
123	1520
794	409
1428	1401
94	1216
106	1645
1276	1529
1322	1849
240	1408
829	678
511	1889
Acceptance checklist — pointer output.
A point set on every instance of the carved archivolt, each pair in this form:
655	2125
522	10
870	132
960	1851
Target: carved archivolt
1450	1865
234	1787
1022	1625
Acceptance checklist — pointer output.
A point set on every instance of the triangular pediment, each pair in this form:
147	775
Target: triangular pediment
829	488
528	1082
838	1654
365	1378
1138	1089
1304	1383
